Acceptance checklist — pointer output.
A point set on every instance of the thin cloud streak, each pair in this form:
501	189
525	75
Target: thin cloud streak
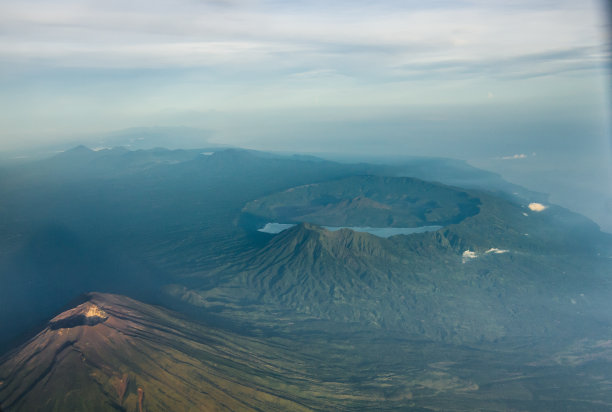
516	67
181	34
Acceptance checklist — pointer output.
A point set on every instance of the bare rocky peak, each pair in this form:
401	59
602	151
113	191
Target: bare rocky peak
86	314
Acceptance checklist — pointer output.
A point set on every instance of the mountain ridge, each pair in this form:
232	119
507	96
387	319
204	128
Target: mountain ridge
450	284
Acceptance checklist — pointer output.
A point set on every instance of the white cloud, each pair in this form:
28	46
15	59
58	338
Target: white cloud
468	255
537	207
497	251
314	74
515	156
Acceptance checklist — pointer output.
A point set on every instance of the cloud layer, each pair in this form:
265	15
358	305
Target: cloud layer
406	39
82	66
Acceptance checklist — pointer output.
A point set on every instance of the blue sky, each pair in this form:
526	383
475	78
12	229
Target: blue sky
479	80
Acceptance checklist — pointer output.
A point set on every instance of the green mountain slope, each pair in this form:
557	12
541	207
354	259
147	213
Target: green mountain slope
111	219
504	271
503	308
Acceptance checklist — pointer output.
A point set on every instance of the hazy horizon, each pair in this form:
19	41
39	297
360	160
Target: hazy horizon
521	88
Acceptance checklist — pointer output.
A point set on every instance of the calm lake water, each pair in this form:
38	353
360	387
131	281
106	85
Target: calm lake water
376	231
